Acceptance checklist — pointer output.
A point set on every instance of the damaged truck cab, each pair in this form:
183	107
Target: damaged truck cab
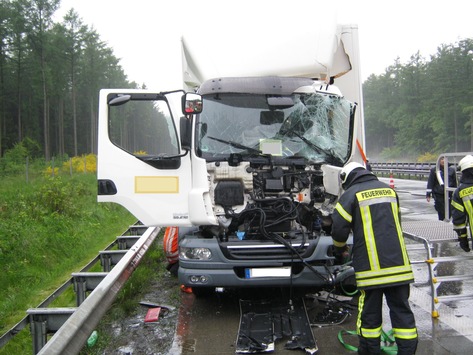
251	163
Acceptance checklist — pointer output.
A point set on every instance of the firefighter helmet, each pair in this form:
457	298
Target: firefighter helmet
347	169
466	162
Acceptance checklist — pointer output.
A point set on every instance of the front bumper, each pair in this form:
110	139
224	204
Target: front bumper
268	266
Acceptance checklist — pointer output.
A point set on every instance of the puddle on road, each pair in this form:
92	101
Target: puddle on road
457	268
454	315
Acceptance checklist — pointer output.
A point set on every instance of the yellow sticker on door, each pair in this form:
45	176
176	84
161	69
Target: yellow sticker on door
156	184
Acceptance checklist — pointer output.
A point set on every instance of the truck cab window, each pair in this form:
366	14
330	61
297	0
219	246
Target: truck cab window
143	128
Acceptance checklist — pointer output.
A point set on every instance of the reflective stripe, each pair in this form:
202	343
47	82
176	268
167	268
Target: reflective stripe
469	208
361	303
379	193
377	200
369	238
468	191
389	271
466	195
405	333
459	226
371	332
343	213
400	234
339	244
384	280
458	206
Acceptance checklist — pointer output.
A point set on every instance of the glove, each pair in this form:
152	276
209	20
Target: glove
341	254
464	243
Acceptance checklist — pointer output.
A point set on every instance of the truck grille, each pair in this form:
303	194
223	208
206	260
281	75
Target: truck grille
264	251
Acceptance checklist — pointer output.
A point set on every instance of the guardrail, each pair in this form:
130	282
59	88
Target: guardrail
419	171
73	334
72	326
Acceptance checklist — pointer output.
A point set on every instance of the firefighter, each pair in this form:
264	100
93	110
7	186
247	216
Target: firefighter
462	212
370	209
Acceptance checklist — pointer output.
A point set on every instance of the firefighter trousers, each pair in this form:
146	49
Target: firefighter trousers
370	319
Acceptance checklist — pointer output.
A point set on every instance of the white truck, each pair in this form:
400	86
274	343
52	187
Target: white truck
250	162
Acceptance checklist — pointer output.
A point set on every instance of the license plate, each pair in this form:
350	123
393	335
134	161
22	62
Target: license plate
251	273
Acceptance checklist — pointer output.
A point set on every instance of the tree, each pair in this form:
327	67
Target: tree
100	69
50	77
4	34
423	104
40	19
75	36
19	49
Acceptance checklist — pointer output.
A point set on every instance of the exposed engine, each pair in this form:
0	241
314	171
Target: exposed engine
269	199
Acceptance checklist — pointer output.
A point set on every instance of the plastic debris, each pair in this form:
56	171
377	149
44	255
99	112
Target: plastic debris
152	315
92	339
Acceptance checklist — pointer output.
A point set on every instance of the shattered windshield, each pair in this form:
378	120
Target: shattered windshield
313	126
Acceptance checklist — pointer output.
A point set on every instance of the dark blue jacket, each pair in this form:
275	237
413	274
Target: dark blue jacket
370	209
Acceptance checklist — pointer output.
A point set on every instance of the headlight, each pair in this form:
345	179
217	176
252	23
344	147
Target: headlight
195	253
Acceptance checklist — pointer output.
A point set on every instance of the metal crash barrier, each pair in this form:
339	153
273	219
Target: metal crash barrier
71	336
431	236
70	327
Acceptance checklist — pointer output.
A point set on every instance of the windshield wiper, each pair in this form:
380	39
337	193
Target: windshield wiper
237	145
329	154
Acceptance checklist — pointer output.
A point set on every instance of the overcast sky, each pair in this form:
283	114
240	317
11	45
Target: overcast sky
145	34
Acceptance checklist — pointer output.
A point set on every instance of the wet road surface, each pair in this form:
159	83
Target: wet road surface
210	325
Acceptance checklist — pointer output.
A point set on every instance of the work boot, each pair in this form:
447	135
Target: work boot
464	244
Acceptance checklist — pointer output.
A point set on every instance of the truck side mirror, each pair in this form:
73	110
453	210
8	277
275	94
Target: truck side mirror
191	103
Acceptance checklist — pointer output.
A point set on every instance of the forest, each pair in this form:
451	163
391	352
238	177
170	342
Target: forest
51	74
420	109
50	77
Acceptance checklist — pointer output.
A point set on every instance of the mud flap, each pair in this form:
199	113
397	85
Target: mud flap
262	322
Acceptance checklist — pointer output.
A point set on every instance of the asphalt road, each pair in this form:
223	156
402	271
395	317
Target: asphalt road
210	325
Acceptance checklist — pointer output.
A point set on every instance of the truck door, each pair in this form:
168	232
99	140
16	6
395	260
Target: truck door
141	164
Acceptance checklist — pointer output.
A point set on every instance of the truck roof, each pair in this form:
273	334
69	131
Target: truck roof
272	85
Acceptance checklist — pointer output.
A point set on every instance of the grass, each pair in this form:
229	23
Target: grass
127	302
49	228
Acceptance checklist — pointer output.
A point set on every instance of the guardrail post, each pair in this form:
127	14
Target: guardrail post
39	335
84	282
44	321
126	242
109	258
136	230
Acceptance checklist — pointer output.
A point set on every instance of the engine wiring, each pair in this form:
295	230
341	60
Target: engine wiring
291	214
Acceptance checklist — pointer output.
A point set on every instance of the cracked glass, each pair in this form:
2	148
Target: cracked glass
314	126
